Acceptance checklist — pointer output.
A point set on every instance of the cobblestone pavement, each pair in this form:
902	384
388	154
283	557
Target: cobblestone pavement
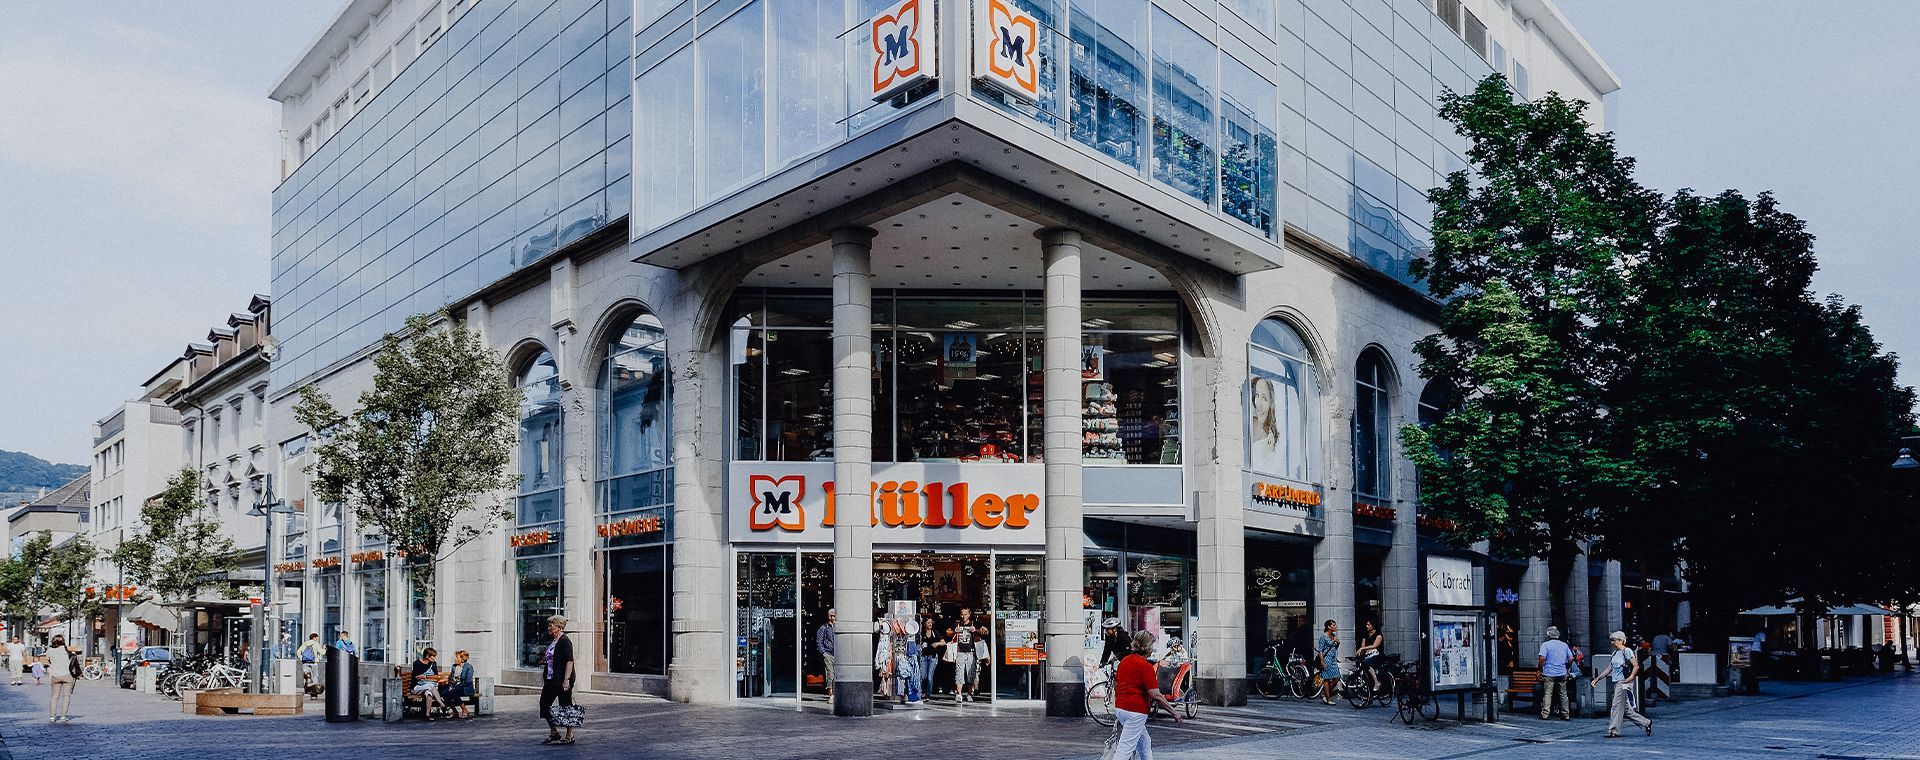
1865	717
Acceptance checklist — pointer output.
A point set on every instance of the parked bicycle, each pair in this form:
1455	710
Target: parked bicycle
1412	698
1289	676
1362	691
1100	696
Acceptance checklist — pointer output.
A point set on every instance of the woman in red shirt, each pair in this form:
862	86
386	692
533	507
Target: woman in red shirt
1136	688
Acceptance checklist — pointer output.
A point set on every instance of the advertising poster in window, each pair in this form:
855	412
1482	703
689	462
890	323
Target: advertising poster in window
1740	651
961	351
1093	363
1023	641
1454	661
1269	380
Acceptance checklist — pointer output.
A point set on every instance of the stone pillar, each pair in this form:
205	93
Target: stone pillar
1060	425
1608	613
1536	612
1215	418
1333	555
702	652
853	470
1400	584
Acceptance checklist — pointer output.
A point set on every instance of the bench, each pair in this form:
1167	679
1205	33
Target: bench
235	702
410	701
1523	684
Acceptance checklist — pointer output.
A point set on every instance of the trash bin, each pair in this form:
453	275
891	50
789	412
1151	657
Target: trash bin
343	686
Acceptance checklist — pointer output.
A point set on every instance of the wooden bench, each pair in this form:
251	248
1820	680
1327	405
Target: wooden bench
235	702
1523	684
410	701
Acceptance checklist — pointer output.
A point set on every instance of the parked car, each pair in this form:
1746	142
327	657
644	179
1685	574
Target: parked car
158	657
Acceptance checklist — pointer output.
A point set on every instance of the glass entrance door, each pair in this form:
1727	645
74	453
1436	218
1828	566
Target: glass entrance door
768	640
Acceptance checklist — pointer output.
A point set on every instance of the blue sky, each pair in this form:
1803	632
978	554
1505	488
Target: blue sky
137	151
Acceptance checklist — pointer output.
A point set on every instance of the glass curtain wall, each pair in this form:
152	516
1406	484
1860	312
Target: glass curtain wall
538	521
635	498
1183	129
1107	77
1249	148
955	380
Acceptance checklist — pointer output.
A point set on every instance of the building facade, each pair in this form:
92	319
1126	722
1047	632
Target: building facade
135	450
1103	303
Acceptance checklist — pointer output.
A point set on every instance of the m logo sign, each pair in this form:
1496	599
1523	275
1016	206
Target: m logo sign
902	48
777	502
1006	42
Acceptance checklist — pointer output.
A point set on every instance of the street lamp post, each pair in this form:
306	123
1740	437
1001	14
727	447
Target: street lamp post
1906	462
267	507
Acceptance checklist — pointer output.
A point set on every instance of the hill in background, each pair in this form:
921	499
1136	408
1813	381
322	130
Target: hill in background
26	473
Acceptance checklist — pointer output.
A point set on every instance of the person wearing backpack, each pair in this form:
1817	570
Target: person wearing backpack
65	667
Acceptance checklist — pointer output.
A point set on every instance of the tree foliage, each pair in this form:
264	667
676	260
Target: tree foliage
67	579
1529	257
422	457
178	546
22	592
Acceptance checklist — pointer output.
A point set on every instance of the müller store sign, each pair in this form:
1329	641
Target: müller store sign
913	503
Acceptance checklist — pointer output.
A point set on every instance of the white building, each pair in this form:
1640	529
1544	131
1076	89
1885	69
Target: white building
1125	305
135	450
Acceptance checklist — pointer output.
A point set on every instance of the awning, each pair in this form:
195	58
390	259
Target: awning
1789	609
153	615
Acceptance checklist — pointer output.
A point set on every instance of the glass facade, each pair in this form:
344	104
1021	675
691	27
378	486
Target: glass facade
636	496
373	613
955	380
506	139
541	506
1372	430
1183	81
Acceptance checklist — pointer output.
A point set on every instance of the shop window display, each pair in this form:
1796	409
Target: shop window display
330	612
373	614
538	523
639	586
1279	598
768	638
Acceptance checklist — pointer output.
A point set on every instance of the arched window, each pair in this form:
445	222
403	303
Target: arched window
539	513
633	499
1281	401
1434	400
1372	428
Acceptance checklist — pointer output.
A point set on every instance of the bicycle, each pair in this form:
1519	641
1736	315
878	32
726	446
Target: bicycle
1412	698
1361	691
1188	703
1100	697
93	671
1291	678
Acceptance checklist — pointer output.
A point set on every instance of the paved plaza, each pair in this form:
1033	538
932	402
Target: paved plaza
1862	718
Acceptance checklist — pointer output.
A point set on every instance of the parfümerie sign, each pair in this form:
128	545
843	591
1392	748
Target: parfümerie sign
913	503
1449	581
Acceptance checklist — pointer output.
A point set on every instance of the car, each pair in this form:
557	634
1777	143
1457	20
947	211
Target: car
158	657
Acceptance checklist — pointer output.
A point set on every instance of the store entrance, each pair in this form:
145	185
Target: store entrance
928	593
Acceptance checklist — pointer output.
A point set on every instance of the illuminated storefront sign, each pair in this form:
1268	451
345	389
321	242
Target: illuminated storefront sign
1283	495
631	526
913	503
902	50
1004	51
369	557
530	538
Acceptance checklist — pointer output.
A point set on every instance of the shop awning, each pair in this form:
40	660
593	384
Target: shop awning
153	615
1790	609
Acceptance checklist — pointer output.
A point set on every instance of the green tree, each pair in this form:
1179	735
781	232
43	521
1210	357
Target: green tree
177	546
22	592
68	585
1755	404
421	460
1529	258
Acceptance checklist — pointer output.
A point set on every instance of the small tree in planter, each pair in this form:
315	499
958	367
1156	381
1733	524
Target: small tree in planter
177	545
420	460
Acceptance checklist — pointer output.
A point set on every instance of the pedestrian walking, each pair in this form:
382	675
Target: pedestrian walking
1624	669
1136	689
66	670
557	681
16	660
1554	658
39	668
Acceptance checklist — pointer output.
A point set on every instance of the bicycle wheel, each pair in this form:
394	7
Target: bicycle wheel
1403	708
1100	703
93	673
1429	707
1299	681
1189	701
1269	683
1358	691
1388	687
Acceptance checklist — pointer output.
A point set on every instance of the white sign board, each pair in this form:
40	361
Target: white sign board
902	49
913	503
1005	54
1449	581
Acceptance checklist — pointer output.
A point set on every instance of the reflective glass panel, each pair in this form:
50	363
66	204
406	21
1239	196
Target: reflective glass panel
1183	82
732	102
1249	151
1108	77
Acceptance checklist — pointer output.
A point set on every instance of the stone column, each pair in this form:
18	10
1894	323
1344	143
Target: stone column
1400	584
1536	612
1578	615
1609	614
1060	425
702	652
853	470
1333	555
1221	542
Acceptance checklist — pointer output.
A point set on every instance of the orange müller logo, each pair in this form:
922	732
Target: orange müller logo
777	502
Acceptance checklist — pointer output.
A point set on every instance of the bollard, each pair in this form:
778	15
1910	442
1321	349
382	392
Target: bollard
483	702
392	700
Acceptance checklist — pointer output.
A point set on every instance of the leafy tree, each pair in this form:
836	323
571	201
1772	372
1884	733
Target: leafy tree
1529	257
22	592
420	460
1753	403
67	582
178	546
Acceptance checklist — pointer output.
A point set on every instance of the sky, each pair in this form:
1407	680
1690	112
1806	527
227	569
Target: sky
138	150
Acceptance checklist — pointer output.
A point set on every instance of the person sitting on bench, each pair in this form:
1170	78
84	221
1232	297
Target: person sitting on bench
426	681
